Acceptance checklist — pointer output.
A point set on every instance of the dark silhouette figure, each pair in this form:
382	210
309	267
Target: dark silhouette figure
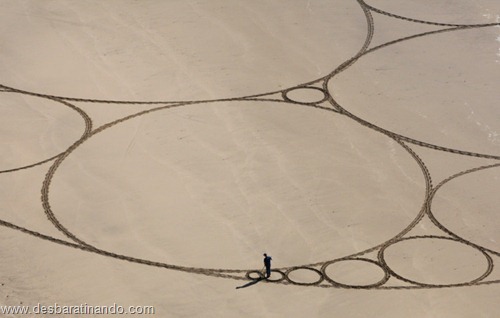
250	283
267	264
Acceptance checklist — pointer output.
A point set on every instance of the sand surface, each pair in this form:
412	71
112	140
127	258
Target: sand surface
152	151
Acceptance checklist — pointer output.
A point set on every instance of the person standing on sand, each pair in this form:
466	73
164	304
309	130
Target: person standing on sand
267	264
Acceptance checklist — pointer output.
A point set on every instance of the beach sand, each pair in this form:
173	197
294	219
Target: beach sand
152	151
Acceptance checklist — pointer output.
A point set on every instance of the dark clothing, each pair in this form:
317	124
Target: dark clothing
267	264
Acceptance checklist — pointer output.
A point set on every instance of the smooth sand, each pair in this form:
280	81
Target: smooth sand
209	176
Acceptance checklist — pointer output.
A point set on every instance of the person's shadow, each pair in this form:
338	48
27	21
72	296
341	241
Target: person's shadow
250	283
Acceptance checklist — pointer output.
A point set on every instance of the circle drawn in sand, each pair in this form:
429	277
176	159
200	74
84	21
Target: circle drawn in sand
306	95
33	130
449	12
435	261
254	275
305	276
179	50
191	184
456	71
276	276
355	273
467	206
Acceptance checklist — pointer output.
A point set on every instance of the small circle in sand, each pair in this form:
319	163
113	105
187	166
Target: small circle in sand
359	272
436	261
276	276
254	275
306	95
304	276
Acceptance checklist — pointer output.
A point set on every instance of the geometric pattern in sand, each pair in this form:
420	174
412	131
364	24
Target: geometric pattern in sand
426	251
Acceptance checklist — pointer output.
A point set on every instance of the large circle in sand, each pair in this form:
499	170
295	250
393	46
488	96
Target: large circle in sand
215	185
468	206
175	50
34	129
440	89
436	261
355	273
450	12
